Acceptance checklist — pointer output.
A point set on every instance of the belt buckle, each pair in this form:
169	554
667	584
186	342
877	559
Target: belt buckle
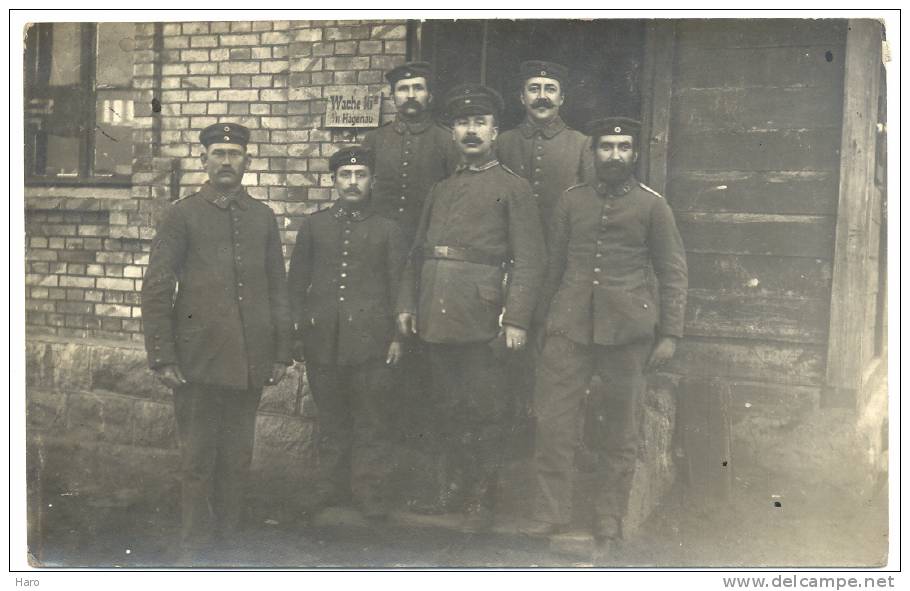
441	251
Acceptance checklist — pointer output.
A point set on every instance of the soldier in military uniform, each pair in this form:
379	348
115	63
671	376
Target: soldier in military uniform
452	295
220	337
413	152
608	240
542	149
344	280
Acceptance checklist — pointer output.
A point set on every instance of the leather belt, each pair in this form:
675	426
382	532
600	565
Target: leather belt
460	253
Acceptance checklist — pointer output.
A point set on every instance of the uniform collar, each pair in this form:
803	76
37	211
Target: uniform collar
529	128
417	126
341	211
478	167
615	190
224	200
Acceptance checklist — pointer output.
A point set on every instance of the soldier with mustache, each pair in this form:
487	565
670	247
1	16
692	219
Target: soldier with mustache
542	149
413	152
452	297
343	282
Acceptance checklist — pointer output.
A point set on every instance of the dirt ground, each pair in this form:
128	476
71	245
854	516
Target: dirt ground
768	522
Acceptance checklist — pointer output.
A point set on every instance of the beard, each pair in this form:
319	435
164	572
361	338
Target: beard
613	173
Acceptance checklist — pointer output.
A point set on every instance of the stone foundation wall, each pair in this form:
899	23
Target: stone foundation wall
101	433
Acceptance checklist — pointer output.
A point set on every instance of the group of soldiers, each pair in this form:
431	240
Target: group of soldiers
459	265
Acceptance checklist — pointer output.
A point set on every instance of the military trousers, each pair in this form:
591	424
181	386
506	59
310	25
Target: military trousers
215	429
564	372
352	402
473	405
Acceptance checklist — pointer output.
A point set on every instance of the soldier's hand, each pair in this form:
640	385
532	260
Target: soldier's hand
516	338
407	323
278	372
394	354
169	375
662	352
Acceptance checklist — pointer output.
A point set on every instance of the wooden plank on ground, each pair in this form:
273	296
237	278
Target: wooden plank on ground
705	427
719	33
786	363
754	192
797	107
756	317
811	149
807	65
760	275
740	233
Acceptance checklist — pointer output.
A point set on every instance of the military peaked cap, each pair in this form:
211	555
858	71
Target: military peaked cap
409	70
350	155
613	126
224	133
473	99
542	69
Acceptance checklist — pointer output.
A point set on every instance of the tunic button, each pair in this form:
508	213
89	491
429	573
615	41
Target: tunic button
345	253
596	282
347	241
400	210
405	163
404	175
536	182
403	198
343	275
597	269
598	255
341	286
341	299
443	311
539	157
240	284
344	264
537	194
240	298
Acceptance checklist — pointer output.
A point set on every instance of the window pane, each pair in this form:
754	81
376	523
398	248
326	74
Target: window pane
62	156
114	65
113	132
66	54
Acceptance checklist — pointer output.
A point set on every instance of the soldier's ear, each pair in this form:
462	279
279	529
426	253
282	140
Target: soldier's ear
247	160
204	156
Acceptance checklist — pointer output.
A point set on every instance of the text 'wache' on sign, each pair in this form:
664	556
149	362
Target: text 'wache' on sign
353	107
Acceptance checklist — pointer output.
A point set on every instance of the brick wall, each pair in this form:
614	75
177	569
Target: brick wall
86	248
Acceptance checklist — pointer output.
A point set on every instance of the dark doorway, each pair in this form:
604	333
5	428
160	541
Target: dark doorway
604	58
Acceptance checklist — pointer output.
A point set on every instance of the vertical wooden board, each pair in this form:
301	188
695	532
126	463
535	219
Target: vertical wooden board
797	107
810	149
846	352
760	275
705	426
657	74
813	193
804	236
699	67
727	33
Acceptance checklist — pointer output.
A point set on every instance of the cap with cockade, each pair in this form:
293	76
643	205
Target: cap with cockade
351	155
473	99
409	70
224	133
613	126
542	69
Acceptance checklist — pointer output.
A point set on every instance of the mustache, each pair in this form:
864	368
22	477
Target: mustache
352	191
472	140
412	103
542	102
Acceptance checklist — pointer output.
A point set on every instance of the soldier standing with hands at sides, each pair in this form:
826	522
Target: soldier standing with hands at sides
608	239
344	280
222	338
452	297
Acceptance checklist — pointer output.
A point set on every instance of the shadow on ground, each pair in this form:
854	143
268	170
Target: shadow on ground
768	523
